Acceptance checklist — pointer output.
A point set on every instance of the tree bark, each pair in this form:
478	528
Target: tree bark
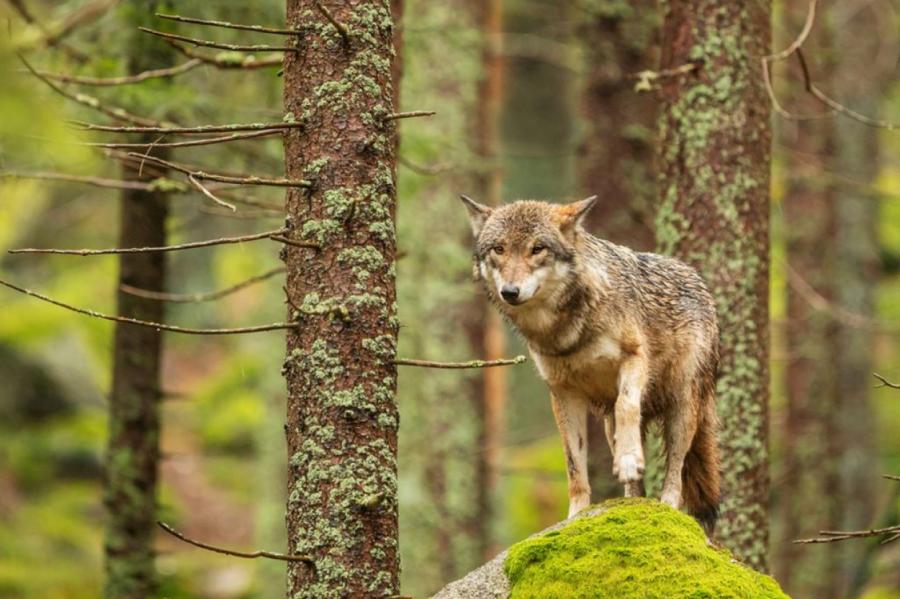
714	159
132	455
342	414
615	158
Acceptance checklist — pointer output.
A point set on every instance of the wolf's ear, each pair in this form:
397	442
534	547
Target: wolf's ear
572	215
478	213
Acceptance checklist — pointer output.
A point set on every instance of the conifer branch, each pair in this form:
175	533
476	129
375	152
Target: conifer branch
409	115
277	326
227	25
247	555
187	130
148	250
199	187
186	144
219	45
341	28
128	79
234	180
460	365
98	181
228	60
189	298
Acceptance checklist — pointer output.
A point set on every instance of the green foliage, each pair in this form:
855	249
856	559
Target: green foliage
636	548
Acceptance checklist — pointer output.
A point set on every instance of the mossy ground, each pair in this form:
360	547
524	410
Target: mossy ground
637	548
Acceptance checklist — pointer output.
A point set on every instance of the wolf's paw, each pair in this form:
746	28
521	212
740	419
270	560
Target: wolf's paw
629	467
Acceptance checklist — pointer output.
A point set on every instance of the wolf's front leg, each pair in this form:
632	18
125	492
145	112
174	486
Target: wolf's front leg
628	458
571	418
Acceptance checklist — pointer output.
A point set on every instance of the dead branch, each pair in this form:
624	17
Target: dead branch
886	383
248	555
146	250
209	296
795	48
98	181
341	28
199	187
278	326
126	80
185	144
220	45
227	25
119	114
819	302
409	115
88	12
425	170
296	242
241	180
832	536
646	79
460	365
187	130
228	60
19	7
891	476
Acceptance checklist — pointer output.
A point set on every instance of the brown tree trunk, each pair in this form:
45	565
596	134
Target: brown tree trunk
615	159
133	446
493	393
808	498
342	414
714	159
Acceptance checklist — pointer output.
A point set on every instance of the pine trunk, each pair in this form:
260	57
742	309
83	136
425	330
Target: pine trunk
714	160
342	414
132	456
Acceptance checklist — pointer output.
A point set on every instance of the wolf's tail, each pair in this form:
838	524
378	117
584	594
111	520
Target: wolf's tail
700	475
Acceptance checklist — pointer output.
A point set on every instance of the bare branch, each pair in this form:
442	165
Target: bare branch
119	114
185	144
341	28
229	60
886	383
242	180
832	536
85	14
126	80
891	476
409	115
209	296
420	169
188	130
199	186
647	79
278	326
296	242
227	25
100	182
220	45
460	365
147	250
248	555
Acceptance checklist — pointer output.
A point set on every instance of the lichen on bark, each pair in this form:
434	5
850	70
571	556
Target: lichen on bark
342	414
713	212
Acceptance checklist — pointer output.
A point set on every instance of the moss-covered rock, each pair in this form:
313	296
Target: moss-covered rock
630	548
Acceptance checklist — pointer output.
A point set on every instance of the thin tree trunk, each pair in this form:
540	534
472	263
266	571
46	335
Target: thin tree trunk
808	498
859	82
615	159
714	159
133	447
493	393
342	414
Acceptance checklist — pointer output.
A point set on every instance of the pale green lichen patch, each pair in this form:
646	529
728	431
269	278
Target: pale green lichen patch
636	548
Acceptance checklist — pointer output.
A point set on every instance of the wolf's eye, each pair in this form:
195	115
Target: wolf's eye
537	250
497	249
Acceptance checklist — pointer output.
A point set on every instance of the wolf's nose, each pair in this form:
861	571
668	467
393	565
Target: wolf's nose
509	292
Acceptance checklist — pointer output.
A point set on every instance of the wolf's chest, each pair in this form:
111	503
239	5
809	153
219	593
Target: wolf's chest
591	372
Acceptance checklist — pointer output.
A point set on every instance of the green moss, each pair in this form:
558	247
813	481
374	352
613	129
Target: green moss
637	548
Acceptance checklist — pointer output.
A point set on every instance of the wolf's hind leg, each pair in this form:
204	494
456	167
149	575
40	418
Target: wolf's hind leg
571	418
680	428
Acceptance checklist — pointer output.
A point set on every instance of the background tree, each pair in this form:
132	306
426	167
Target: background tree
134	415
714	160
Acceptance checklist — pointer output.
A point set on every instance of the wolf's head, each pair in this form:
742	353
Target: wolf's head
525	251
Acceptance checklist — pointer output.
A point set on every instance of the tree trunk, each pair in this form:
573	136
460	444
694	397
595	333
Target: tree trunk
615	159
133	447
493	393
342	415
859	82
714	159
808	498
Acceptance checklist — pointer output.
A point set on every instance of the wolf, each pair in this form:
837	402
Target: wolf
629	336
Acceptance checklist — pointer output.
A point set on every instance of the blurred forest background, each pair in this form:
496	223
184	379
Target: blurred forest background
541	103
